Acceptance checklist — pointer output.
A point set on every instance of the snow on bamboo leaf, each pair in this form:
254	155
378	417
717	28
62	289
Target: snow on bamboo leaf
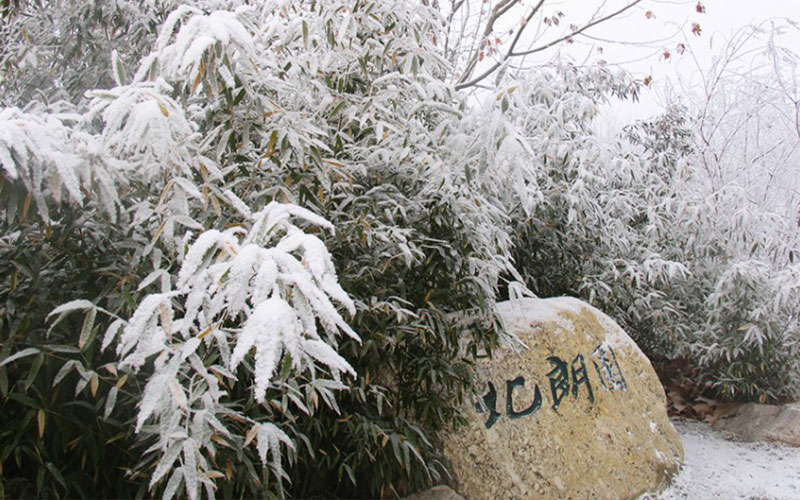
29	142
199	45
143	123
270	438
142	334
264	288
48	157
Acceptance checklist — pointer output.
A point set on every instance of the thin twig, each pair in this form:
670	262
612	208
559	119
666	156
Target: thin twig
508	54
576	32
498	10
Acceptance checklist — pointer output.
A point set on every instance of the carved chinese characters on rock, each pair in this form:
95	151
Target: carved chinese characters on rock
566	377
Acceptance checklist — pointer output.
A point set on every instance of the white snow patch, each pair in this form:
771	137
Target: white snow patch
530	310
653	426
615	335
521	313
715	468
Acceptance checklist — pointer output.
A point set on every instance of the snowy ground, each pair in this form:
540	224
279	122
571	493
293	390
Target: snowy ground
715	468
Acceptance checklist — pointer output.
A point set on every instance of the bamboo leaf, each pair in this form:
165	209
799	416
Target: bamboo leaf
73	305
111	400
40	421
34	371
30	351
165	464
173	484
86	329
94	383
56	474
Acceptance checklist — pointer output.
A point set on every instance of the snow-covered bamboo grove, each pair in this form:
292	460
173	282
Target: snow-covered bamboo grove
255	247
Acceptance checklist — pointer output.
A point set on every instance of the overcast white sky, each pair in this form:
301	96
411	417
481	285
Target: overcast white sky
670	25
637	39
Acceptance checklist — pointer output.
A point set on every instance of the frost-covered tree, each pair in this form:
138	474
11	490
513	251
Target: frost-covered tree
748	128
632	226
747	141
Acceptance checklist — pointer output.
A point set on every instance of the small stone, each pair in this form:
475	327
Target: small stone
755	422
440	492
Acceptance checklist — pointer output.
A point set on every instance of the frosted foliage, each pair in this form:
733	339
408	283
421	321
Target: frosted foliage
142	123
276	281
270	438
214	121
191	44
629	225
688	273
51	159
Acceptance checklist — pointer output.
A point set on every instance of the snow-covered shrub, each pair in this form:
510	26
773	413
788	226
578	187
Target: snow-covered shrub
416	238
750	344
747	139
197	165
265	289
630	226
136	168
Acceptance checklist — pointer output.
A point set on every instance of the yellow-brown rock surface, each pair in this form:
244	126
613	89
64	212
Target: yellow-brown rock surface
597	429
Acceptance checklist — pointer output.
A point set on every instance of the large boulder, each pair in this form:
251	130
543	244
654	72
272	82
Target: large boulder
578	414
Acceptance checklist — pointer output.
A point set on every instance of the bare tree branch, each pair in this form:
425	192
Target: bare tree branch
576	32
455	6
501	8
508	55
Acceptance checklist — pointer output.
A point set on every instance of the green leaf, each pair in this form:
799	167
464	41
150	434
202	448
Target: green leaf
396	448
239	97
22	398
3	381
56	474
30	351
350	473
337	109
86	329
62	349
40	481
34	371
119	70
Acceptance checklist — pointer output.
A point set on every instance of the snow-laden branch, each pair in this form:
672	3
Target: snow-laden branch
266	288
